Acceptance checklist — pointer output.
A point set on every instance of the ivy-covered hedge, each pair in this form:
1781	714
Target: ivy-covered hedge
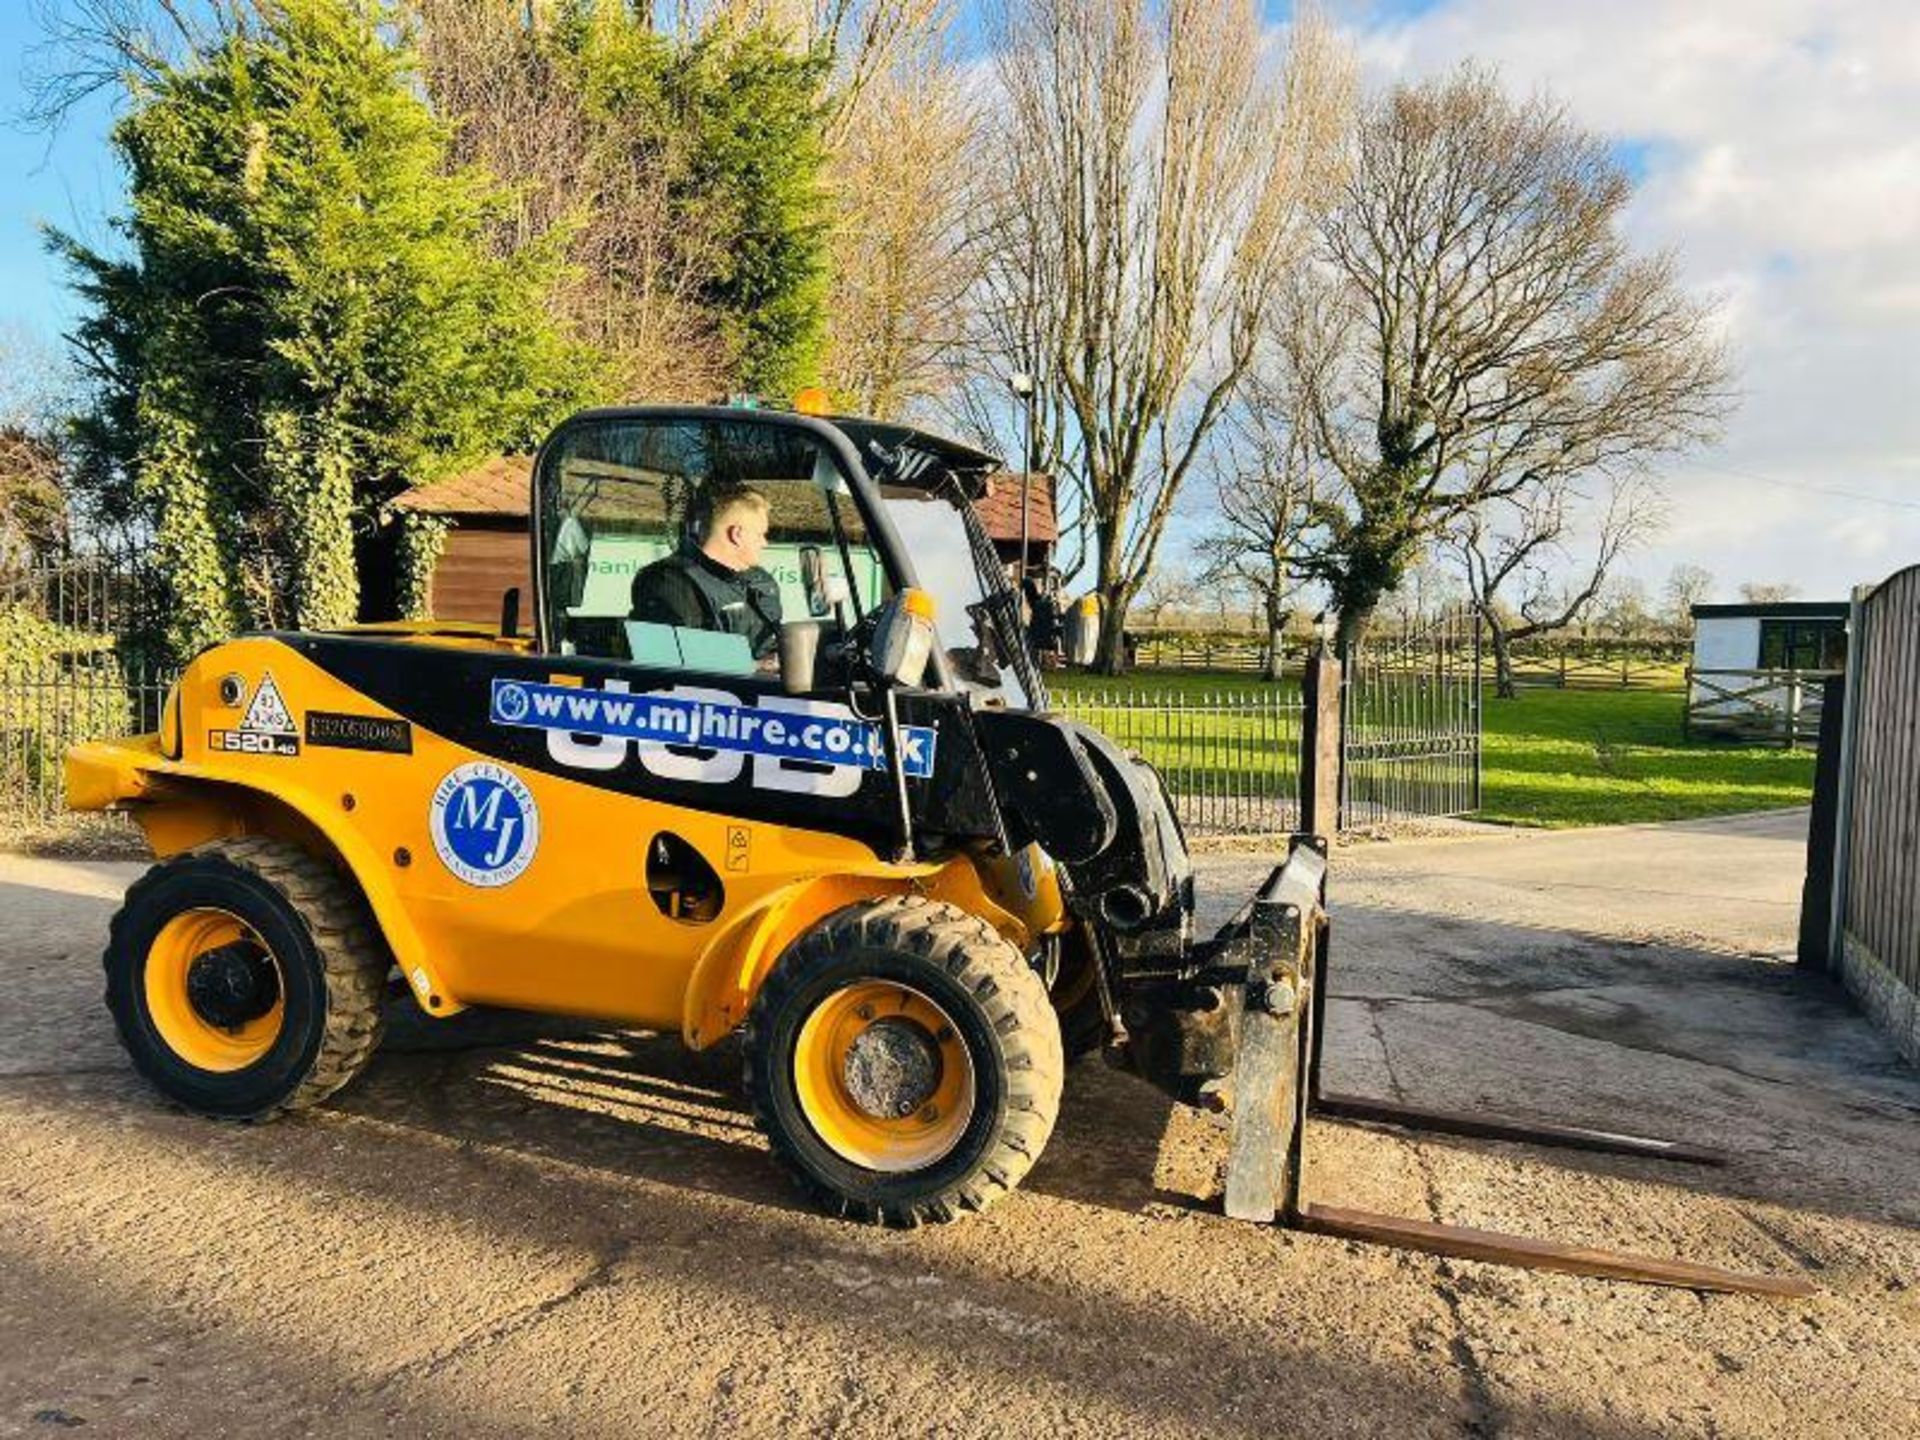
58	686
422	540
303	317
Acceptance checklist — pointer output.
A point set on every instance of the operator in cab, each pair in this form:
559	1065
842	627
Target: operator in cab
718	584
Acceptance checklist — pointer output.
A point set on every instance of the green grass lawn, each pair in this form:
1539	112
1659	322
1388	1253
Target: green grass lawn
1551	757
1615	757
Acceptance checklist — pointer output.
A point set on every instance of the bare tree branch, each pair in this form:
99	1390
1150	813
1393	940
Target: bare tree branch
1519	554
1157	168
1265	475
906	246
1475	329
637	261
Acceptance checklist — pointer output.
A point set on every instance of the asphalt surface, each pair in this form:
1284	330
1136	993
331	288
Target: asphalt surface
511	1226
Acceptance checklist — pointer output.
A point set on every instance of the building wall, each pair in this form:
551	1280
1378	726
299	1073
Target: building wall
1731	643
1725	643
480	562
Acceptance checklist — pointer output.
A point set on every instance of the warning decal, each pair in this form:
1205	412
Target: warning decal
268	714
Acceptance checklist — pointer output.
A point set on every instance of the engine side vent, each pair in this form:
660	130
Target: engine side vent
681	882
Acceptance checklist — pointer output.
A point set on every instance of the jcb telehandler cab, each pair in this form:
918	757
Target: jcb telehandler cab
871	847
834	813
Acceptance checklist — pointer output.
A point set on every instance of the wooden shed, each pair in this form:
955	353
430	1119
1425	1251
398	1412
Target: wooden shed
1000	514
486	549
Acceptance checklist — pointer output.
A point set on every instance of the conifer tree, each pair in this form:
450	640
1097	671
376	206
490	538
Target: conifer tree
305	319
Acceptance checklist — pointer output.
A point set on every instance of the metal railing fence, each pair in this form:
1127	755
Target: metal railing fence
76	663
74	666
1410	731
1230	759
46	707
1561	662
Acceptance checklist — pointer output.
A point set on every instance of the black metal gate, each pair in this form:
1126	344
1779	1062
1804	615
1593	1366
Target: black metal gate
1411	722
75	664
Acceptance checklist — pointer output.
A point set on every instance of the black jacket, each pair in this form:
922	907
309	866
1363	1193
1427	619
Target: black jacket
693	590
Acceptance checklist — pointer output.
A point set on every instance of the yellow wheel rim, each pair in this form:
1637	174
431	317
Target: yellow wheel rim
205	1035
883	1076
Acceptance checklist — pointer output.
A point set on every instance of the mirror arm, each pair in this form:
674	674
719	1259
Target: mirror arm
890	737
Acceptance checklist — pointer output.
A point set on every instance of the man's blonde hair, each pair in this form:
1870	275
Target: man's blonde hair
722	502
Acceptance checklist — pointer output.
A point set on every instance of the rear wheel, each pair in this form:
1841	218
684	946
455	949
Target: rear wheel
246	978
905	1063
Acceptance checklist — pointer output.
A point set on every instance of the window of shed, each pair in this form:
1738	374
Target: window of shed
1803	644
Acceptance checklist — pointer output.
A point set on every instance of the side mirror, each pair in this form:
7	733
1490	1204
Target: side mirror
813	580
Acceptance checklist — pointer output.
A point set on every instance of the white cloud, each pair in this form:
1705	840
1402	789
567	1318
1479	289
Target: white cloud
1780	158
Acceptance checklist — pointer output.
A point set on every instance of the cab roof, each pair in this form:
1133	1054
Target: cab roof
870	438
962	459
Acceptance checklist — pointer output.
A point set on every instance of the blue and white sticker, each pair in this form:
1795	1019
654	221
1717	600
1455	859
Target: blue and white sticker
1023	866
486	826
709	722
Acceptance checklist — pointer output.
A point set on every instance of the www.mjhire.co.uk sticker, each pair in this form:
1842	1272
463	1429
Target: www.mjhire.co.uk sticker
708	724
485	824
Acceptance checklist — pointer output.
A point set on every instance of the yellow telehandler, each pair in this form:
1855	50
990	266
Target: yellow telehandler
817	798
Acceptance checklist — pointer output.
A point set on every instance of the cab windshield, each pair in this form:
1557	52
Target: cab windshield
976	612
688	543
691	541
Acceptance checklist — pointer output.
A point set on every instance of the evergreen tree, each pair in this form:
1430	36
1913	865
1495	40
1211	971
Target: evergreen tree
751	109
729	117
306	320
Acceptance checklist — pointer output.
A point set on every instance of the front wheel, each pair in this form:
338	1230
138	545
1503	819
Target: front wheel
905	1062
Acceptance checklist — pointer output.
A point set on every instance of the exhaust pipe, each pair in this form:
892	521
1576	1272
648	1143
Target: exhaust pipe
1126	907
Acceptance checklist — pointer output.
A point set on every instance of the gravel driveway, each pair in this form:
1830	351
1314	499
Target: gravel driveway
511	1226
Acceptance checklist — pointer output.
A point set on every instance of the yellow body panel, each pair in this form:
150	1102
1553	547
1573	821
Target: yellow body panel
577	931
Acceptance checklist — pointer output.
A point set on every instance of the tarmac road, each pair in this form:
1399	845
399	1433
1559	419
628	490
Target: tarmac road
508	1227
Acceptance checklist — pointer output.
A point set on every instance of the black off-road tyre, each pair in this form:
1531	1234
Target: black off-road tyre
1084	1026
999	1008
332	964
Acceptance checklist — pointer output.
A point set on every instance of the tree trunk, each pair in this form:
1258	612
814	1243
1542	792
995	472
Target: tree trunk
1503	686
1354	620
1110	655
1276	628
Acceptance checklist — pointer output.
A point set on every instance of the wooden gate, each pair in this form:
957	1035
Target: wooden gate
1874	937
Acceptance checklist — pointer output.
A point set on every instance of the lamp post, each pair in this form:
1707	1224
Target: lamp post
1022	384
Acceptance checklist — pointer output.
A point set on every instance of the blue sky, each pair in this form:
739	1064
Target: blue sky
67	179
1774	146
